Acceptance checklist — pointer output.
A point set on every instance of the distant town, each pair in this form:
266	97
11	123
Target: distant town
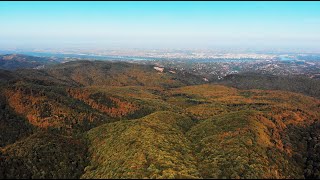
211	64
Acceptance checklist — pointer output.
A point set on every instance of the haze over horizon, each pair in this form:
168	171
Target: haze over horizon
257	25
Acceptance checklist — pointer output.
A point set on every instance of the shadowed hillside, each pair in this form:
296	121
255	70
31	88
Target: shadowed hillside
44	155
12	126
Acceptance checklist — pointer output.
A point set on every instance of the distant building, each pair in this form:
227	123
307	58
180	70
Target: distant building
159	69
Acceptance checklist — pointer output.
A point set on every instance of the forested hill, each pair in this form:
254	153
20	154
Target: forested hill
103	73
19	61
94	119
293	83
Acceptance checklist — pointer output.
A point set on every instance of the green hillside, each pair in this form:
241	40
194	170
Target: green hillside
43	155
150	147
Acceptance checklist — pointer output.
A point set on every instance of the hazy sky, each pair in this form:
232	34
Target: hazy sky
160	24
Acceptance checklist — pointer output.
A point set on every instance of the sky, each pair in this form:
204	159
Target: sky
160	24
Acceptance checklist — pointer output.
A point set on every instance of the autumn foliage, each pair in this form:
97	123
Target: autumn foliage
119	120
112	106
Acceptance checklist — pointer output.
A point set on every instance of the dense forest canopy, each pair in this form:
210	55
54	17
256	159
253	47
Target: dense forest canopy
94	119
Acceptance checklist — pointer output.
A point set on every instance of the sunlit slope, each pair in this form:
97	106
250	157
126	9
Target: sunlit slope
69	108
122	102
249	133
203	101
150	147
233	134
239	145
50	107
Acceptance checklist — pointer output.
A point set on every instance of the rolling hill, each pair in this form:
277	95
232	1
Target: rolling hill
94	119
294	83
19	61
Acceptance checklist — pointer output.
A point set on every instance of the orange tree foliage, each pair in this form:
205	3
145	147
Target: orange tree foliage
112	106
48	107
